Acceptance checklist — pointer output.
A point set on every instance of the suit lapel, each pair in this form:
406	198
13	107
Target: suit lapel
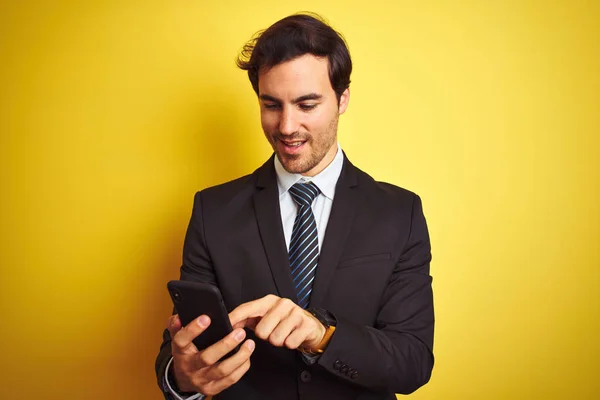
338	228
268	217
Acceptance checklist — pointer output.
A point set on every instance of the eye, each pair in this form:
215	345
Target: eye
307	107
271	106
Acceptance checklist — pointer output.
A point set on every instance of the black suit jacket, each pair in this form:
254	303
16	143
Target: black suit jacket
373	275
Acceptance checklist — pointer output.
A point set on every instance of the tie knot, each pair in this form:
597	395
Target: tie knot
304	193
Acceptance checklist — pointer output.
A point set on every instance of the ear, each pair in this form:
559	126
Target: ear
344	100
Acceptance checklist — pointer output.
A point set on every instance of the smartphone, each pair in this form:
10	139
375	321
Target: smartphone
193	299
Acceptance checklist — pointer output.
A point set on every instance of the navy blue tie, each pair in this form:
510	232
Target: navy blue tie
304	245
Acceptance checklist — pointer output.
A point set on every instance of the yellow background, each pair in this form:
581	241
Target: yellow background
113	113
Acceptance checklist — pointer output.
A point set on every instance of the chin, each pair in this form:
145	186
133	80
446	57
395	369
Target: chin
294	167
297	164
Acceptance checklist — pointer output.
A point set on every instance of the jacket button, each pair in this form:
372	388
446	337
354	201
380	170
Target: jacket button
344	369
354	375
305	376
337	365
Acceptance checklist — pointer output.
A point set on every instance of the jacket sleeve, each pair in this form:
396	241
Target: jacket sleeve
396	354
197	266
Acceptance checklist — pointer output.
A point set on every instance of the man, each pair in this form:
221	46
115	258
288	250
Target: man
325	271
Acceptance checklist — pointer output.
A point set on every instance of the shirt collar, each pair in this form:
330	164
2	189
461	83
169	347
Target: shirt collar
325	180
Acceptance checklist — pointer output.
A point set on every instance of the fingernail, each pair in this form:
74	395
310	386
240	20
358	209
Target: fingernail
203	321
250	344
239	335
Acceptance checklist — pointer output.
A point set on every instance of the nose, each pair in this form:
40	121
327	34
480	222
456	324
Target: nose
288	124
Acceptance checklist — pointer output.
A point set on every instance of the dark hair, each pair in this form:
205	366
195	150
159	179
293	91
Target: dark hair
294	36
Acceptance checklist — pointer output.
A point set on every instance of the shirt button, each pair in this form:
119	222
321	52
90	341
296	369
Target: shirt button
305	376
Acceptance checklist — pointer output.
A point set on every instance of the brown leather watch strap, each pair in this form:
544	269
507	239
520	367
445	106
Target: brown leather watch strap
320	348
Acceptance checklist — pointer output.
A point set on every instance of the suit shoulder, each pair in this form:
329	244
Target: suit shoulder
233	185
397	191
225	192
385	189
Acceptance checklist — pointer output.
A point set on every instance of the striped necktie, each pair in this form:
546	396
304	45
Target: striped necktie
304	245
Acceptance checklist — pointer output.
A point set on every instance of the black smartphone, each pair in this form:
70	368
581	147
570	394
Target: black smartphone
193	299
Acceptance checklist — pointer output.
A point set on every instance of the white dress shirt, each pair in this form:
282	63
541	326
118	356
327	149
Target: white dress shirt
321	207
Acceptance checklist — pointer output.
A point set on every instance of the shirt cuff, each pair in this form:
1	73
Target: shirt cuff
176	395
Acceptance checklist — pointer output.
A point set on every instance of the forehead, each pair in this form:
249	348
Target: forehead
296	77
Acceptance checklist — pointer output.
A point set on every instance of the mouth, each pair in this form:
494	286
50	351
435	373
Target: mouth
291	146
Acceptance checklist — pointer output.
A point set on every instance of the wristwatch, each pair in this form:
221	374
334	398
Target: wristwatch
329	322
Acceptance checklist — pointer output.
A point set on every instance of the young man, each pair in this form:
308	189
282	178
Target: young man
325	271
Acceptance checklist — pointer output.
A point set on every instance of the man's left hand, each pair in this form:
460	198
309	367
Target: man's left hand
279	321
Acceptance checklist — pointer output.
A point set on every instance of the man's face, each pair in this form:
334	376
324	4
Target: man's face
299	113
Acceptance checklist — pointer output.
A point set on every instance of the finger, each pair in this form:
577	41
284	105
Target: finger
252	309
214	353
182	341
298	336
285	327
173	324
229	365
229	380
273	317
247	323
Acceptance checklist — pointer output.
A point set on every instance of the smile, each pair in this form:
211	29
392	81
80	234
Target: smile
293	144
291	147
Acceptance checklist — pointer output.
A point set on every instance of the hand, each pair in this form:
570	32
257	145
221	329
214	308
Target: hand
279	321
201	371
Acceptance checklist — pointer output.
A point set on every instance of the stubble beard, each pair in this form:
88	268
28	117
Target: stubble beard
301	164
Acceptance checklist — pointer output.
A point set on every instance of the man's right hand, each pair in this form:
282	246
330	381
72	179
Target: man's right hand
201	371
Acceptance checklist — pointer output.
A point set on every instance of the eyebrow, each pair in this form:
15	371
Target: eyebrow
310	96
